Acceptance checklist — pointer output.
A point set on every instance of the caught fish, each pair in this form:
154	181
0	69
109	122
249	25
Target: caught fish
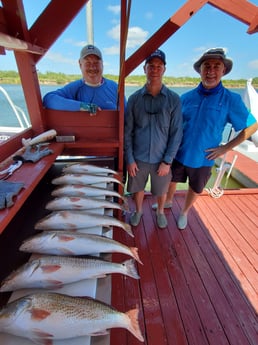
74	220
84	179
53	272
51	316
78	203
82	168
74	243
85	191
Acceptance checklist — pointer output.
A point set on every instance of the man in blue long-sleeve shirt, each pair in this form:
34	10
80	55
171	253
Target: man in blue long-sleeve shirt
153	131
206	111
91	93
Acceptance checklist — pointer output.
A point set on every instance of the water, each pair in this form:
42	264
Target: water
7	117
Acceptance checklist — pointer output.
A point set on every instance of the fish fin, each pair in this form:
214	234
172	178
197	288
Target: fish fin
131	269
50	268
128	229
40	337
134	326
66	252
103	275
125	204
39	314
135	254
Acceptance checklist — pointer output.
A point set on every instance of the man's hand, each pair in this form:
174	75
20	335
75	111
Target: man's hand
163	169
90	107
216	152
132	169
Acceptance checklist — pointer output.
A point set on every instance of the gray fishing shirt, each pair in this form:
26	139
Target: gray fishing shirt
153	126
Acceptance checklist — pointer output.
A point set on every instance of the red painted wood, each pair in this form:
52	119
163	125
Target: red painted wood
30	174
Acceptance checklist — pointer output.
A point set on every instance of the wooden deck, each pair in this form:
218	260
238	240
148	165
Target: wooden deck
198	286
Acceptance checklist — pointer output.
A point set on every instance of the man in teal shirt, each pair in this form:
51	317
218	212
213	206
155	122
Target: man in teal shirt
206	111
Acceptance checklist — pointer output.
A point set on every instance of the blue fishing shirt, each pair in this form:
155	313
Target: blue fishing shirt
153	126
71	95
205	115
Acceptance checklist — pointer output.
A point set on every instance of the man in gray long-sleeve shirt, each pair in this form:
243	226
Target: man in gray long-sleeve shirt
153	132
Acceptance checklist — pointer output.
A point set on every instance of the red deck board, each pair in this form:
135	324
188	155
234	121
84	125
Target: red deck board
197	286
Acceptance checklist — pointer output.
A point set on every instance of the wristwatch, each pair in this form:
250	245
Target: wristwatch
165	163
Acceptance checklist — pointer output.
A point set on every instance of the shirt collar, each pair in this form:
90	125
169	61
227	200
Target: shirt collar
201	89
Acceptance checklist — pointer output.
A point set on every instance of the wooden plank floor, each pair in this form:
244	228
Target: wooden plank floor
198	286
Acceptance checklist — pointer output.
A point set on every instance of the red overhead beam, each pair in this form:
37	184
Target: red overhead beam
48	27
242	10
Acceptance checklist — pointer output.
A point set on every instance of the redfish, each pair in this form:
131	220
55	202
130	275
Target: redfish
81	203
84	179
45	317
85	191
74	243
53	272
82	168
74	220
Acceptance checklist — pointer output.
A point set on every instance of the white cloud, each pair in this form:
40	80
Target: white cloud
59	58
136	35
114	33
114	9
114	50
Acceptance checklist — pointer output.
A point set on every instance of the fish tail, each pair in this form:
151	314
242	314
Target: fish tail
128	229
125	204
135	254
134	326
131	270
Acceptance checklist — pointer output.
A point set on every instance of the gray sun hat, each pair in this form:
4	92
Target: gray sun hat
90	49
214	53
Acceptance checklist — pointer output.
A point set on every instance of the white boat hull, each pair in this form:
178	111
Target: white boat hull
251	101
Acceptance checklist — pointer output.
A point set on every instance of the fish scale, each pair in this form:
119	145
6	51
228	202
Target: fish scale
73	220
53	316
74	243
52	272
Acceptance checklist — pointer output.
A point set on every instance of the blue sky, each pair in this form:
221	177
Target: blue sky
206	29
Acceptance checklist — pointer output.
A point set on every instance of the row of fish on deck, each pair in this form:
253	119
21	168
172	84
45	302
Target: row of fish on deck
64	252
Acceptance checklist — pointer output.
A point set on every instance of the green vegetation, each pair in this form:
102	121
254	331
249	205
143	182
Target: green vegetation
12	77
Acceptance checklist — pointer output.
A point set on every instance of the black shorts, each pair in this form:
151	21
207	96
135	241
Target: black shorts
197	177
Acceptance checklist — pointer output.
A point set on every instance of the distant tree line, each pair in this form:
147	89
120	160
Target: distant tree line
12	77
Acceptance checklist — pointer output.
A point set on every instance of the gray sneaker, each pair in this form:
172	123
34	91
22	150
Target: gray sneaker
135	218
166	205
182	222
162	220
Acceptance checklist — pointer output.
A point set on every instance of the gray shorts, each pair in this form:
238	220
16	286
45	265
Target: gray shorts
159	184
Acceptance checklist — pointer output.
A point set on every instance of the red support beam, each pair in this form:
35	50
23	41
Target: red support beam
165	31
48	27
241	10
